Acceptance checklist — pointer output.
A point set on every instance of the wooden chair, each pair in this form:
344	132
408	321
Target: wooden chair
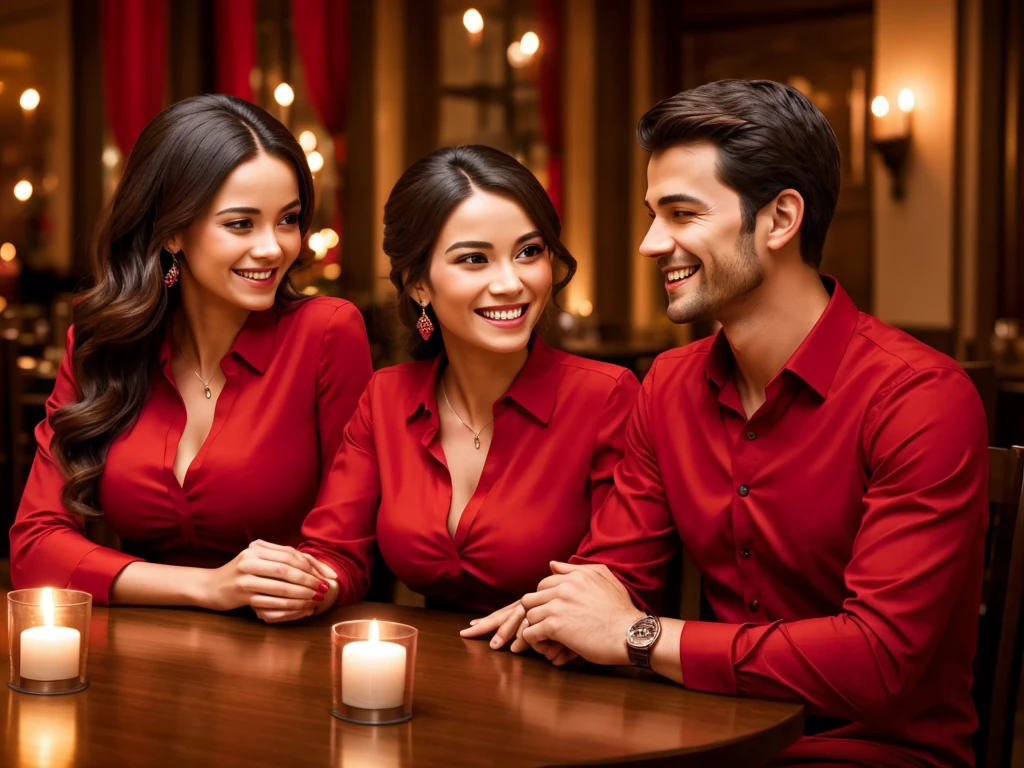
997	665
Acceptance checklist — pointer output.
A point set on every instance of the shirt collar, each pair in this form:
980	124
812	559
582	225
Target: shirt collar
817	359
533	390
253	344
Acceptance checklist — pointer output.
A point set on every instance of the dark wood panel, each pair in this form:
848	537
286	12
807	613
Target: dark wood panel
614	136
175	687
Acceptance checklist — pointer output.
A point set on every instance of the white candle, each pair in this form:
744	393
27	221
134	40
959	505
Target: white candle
373	673
49	652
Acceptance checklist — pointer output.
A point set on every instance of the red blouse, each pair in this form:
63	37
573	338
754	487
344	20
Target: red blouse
558	434
293	381
839	532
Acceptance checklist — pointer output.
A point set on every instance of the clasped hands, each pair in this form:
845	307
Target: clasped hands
580	610
278	582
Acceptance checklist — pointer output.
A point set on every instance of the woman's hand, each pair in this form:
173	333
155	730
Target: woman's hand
271	577
504	622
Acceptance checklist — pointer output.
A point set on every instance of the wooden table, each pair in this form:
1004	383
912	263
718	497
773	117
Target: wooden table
189	688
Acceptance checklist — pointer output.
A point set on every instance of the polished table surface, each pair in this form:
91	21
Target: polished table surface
190	688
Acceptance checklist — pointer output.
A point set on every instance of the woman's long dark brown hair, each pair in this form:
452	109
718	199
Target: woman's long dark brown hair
179	162
423	199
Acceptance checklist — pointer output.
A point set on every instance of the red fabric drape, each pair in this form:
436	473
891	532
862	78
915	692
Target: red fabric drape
550	24
235	35
322	38
134	65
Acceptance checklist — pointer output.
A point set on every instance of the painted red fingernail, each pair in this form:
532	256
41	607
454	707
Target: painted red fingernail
323	586
318	597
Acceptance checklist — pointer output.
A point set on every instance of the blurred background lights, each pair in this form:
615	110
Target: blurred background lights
473	21
307	140
284	95
29	99
23	190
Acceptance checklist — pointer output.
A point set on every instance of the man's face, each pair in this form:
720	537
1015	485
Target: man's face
696	235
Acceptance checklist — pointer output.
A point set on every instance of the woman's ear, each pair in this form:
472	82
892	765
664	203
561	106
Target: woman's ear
173	244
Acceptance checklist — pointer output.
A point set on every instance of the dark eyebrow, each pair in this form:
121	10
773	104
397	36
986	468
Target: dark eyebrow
528	236
254	211
468	244
482	244
681	198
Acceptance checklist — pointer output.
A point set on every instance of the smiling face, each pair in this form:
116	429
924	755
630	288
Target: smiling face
696	235
489	277
238	250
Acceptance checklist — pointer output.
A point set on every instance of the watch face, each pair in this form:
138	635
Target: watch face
644	632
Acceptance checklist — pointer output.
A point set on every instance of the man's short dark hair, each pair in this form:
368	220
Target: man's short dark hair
769	137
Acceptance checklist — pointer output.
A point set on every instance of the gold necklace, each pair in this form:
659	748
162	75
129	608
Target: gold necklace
476	434
205	382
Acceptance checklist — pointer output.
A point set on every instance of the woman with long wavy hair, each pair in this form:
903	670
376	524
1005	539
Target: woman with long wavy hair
200	396
480	462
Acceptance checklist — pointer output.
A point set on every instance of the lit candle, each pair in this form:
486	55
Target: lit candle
49	652
373	673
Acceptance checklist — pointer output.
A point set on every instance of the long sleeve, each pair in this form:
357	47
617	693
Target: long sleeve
341	529
633	532
610	440
342	374
917	553
48	543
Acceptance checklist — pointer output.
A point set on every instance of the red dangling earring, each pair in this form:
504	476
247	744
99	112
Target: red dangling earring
172	274
423	325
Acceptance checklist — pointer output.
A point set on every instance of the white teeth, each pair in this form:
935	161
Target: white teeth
505	314
680	274
256	275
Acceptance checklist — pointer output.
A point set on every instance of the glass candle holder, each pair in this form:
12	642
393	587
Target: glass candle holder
48	632
372	668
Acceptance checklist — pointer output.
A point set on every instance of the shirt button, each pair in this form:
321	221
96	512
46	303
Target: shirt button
744	553
754	605
743	490
751	435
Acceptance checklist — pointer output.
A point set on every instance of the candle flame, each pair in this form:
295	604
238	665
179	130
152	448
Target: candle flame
47	603
374	632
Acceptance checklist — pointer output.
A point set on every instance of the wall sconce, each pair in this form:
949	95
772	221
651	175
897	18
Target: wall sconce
891	135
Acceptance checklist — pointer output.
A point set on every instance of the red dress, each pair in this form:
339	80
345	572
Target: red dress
558	434
293	379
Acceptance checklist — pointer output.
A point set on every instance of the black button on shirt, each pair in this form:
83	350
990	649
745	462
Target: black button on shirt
743	490
754	605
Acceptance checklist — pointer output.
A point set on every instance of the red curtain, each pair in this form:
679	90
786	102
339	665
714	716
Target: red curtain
322	39
235	35
550	25
134	65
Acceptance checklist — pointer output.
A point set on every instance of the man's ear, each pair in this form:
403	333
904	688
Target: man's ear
787	212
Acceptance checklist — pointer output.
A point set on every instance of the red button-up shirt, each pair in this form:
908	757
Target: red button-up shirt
558	433
293	381
839	532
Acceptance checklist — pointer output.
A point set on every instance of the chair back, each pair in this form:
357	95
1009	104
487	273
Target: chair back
997	666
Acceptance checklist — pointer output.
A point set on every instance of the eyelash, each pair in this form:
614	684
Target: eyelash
534	250
241	225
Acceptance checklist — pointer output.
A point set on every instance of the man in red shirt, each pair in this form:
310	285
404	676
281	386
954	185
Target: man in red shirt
826	472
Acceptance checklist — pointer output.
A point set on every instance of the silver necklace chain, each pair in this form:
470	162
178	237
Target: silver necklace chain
476	434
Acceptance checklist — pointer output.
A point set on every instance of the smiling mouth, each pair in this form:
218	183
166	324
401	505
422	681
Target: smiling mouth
675	277
499	314
256	275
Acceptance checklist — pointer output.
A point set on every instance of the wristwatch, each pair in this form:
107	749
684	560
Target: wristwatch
640	639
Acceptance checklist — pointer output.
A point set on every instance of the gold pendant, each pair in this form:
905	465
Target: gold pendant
208	395
476	442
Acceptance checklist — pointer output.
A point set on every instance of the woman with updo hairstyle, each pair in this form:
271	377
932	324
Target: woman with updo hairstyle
201	396
481	461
